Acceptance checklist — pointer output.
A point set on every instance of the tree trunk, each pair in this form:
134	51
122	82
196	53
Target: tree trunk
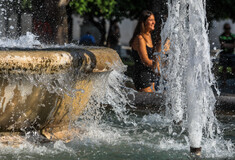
62	25
50	21
101	26
19	27
7	16
114	35
70	24
111	23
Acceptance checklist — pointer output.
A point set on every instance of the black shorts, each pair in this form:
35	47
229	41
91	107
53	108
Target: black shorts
144	79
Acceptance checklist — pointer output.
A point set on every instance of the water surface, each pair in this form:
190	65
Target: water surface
145	137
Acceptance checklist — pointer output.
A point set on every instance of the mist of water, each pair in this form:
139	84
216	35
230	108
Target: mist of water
101	132
190	101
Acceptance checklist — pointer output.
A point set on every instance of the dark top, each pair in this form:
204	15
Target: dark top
143	75
138	63
227	39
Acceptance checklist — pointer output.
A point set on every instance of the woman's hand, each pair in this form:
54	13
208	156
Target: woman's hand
167	46
156	65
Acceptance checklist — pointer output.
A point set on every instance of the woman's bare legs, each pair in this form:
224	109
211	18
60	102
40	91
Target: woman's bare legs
149	89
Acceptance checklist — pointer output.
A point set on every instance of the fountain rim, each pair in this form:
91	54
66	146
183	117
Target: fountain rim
15	60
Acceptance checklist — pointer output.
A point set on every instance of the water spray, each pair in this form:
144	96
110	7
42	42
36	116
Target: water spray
189	78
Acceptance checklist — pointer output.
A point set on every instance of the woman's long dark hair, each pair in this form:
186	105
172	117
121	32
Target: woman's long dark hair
140	25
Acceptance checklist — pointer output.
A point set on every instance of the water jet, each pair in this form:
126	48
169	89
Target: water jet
189	95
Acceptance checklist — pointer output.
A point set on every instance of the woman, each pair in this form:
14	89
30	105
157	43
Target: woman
142	52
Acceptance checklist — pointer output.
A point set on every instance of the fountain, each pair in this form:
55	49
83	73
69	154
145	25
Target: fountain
46	88
60	91
49	88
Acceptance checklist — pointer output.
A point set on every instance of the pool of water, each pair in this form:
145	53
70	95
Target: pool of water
146	136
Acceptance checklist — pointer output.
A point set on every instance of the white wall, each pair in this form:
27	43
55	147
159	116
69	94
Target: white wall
77	22
126	28
26	23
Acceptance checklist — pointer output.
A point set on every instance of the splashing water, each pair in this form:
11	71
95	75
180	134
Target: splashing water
26	41
118	133
190	99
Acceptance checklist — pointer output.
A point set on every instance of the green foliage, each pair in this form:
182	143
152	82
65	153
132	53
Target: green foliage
119	9
109	9
26	5
128	9
97	8
16	6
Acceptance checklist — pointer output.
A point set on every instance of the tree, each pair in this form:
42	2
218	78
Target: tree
220	9
98	11
17	7
9	8
125	9
54	14
50	20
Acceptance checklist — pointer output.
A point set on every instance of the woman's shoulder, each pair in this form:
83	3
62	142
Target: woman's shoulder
140	39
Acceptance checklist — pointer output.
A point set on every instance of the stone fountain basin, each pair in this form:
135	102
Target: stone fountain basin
24	105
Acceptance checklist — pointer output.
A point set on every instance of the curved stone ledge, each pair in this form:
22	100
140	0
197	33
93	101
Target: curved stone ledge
152	102
50	61
24	105
226	103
